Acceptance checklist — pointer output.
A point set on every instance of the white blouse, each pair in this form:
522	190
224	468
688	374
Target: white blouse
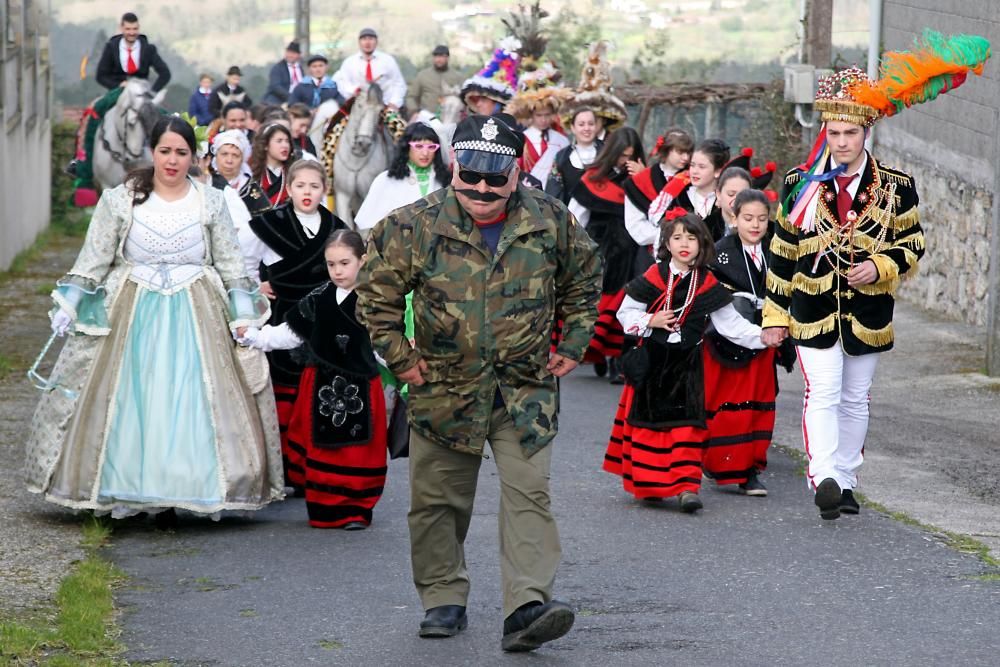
635	321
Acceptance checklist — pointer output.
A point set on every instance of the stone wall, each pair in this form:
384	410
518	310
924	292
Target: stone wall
957	217
950	146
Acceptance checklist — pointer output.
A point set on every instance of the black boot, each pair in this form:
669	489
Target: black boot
601	368
444	621
615	371
848	504
166	520
535	623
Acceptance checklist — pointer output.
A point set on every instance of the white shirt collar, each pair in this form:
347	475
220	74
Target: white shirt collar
678	272
859	170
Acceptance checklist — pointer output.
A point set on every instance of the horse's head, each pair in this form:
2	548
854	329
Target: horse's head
366	112
451	104
137	114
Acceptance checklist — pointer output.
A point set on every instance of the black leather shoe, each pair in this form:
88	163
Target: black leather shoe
444	621
535	623
848	505
828	499
753	486
71	168
601	369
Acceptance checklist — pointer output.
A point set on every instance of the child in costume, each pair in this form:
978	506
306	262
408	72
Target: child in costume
338	420
288	243
656	440
741	383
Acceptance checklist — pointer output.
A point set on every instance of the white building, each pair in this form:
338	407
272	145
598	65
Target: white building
26	131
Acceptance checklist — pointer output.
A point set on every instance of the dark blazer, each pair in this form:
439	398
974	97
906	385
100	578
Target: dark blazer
198	107
278	82
109	68
306	93
221	96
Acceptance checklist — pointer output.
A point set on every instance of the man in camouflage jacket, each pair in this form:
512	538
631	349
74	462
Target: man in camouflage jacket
492	266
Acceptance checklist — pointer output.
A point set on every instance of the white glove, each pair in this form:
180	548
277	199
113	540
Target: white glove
61	322
271	338
249	336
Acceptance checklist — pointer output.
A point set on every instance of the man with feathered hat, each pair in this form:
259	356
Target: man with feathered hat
848	232
536	106
491	88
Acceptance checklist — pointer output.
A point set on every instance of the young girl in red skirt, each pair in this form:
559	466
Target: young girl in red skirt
741	383
338	421
659	431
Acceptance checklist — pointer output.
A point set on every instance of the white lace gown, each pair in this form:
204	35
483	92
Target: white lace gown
154	410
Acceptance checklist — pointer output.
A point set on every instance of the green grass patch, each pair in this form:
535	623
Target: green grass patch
83	631
6	365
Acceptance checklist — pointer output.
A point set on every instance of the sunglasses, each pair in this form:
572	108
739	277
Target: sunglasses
421	146
492	180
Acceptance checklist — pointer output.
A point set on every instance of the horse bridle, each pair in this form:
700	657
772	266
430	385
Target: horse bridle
133	117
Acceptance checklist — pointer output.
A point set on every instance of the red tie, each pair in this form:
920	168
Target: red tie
130	66
545	142
295	74
844	198
368	72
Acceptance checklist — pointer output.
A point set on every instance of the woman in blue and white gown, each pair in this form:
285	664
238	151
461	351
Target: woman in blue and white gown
154	407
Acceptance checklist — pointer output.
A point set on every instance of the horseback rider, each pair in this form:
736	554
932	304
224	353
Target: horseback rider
370	65
125	56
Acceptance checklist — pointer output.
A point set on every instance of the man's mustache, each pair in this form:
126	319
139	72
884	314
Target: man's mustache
481	196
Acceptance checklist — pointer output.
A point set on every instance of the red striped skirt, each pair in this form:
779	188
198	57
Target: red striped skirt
292	455
608	335
739	403
344	484
653	464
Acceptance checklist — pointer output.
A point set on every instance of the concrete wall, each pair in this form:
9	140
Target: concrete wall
25	125
950	146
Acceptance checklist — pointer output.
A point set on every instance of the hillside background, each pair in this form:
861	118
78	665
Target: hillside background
714	40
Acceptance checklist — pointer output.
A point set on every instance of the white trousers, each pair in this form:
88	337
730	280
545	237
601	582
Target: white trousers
835	412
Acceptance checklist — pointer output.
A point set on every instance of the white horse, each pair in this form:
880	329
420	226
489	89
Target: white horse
362	153
450	108
321	118
121	143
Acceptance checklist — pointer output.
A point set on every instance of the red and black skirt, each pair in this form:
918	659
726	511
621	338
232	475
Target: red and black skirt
654	464
342	484
739	406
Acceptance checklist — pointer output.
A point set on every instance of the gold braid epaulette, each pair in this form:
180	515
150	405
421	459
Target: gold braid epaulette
793	177
881	287
897	177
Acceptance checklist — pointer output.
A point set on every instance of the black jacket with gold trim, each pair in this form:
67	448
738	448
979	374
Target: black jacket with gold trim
807	288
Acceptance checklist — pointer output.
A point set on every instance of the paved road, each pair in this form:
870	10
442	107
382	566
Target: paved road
750	581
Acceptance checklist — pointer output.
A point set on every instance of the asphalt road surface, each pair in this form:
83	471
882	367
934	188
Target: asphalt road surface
751	581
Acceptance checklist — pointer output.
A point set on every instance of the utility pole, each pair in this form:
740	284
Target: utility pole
302	25
819	33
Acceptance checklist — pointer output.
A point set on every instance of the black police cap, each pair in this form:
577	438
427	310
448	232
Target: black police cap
486	144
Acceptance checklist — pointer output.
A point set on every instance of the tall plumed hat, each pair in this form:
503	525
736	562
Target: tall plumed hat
498	79
538	86
595	90
936	65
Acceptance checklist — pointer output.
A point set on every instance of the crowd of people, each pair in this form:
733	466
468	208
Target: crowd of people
235	342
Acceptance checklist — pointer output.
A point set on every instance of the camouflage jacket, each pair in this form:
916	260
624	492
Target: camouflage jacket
481	321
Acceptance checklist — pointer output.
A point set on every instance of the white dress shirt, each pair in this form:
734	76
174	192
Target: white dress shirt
123	47
385	72
635	320
643	229
295	76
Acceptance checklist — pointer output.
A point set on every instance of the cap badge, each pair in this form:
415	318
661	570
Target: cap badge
490	130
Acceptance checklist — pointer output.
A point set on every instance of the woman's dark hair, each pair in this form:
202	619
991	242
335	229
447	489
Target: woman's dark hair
692	224
614	146
750	197
717	151
733	172
349	239
232	105
258	156
140	181
399	168
674	139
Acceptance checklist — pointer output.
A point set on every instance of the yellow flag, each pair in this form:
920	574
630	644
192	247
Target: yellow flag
83	67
